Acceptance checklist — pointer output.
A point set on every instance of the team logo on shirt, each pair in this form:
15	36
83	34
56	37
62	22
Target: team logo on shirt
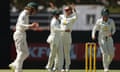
64	22
105	28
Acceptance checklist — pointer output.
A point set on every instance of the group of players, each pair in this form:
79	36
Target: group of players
60	38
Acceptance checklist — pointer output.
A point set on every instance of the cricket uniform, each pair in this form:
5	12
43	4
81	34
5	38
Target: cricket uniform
105	40
19	37
67	23
55	40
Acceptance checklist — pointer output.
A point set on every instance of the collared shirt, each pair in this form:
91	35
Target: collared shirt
104	28
23	21
67	22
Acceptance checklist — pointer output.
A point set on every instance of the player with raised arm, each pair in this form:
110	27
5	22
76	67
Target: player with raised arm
67	21
54	39
19	36
106	28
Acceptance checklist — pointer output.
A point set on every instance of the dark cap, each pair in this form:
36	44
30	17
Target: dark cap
105	12
32	5
56	12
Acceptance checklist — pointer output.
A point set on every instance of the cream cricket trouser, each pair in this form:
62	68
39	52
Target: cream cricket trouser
21	50
56	55
66	43
107	49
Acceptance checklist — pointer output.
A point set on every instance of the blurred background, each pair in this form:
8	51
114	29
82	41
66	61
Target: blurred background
88	11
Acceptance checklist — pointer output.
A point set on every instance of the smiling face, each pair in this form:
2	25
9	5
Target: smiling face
68	10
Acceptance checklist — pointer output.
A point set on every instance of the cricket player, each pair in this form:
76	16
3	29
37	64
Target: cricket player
19	36
54	39
106	28
67	21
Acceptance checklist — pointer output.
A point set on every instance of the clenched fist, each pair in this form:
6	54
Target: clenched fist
35	25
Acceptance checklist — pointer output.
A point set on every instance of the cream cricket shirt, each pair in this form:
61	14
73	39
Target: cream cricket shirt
23	21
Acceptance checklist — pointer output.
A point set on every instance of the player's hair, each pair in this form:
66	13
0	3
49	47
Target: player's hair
69	8
27	8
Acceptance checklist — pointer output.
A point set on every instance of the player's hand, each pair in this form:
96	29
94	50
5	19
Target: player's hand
35	25
67	30
73	6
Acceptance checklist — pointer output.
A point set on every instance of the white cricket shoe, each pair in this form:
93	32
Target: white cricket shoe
12	68
67	70
106	70
54	69
62	70
49	69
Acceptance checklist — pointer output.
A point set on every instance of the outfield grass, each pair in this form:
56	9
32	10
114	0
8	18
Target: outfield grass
39	70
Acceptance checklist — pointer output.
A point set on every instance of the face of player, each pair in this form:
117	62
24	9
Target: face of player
68	12
105	18
32	11
57	16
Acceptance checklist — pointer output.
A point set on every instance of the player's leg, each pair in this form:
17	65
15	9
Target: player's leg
58	61
51	56
55	67
105	62
111	50
67	47
59	57
66	40
22	52
104	51
12	65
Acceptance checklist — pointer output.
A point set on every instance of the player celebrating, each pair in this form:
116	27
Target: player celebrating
19	36
67	21
106	28
54	40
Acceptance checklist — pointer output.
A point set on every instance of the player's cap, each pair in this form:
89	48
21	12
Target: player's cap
56	12
105	12
33	5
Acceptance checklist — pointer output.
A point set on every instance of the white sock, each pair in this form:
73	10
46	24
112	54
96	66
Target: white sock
105	61
18	70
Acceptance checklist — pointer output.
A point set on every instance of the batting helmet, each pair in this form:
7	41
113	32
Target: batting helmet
33	5
105	12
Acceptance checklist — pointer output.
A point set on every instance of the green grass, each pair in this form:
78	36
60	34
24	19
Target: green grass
40	70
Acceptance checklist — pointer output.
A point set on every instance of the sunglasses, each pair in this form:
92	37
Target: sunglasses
67	10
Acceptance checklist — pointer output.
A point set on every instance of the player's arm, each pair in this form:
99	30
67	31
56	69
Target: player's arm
29	26
21	22
95	28
56	28
60	29
113	28
74	11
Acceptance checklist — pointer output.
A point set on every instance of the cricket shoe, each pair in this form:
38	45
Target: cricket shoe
49	69
54	69
12	68
62	70
67	70
106	70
